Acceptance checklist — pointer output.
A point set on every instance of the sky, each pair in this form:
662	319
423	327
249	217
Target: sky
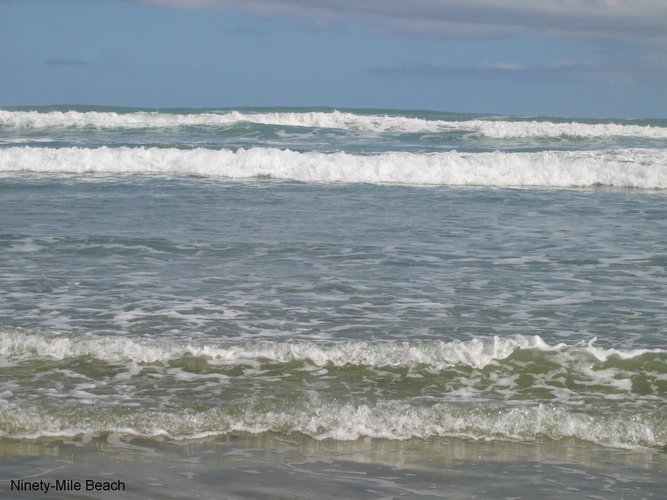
578	58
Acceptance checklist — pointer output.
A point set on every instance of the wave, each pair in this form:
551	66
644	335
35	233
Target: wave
631	168
535	129
432	354
320	420
492	128
123	405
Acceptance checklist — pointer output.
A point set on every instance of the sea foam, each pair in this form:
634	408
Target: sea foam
434	354
320	420
632	168
319	415
492	128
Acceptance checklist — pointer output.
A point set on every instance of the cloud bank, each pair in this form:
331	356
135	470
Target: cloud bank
629	35
618	74
638	21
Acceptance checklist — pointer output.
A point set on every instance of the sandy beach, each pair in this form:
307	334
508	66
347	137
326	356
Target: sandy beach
283	467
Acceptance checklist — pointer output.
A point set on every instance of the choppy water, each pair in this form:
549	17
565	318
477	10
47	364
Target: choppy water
335	274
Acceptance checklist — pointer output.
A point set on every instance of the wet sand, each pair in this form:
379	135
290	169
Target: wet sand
272	466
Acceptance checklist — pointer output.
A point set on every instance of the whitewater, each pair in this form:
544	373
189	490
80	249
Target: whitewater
495	127
337	290
630	168
420	148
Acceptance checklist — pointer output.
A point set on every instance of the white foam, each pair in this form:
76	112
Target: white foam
636	168
518	129
604	354
434	354
144	119
493	128
346	422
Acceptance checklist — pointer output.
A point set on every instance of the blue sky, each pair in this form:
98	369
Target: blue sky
603	58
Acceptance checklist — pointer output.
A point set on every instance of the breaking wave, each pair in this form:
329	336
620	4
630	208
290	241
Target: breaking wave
631	168
345	422
433	354
319	414
492	128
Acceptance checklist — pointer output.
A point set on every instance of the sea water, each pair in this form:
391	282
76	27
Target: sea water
429	282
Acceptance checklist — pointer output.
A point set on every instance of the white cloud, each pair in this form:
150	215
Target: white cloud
630	35
626	20
566	70
502	65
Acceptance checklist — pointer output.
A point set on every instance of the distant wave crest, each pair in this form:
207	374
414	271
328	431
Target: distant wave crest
374	123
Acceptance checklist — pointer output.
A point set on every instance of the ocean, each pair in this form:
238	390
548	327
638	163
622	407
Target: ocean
301	303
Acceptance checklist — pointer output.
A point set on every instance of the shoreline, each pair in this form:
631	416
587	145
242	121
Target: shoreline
295	466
